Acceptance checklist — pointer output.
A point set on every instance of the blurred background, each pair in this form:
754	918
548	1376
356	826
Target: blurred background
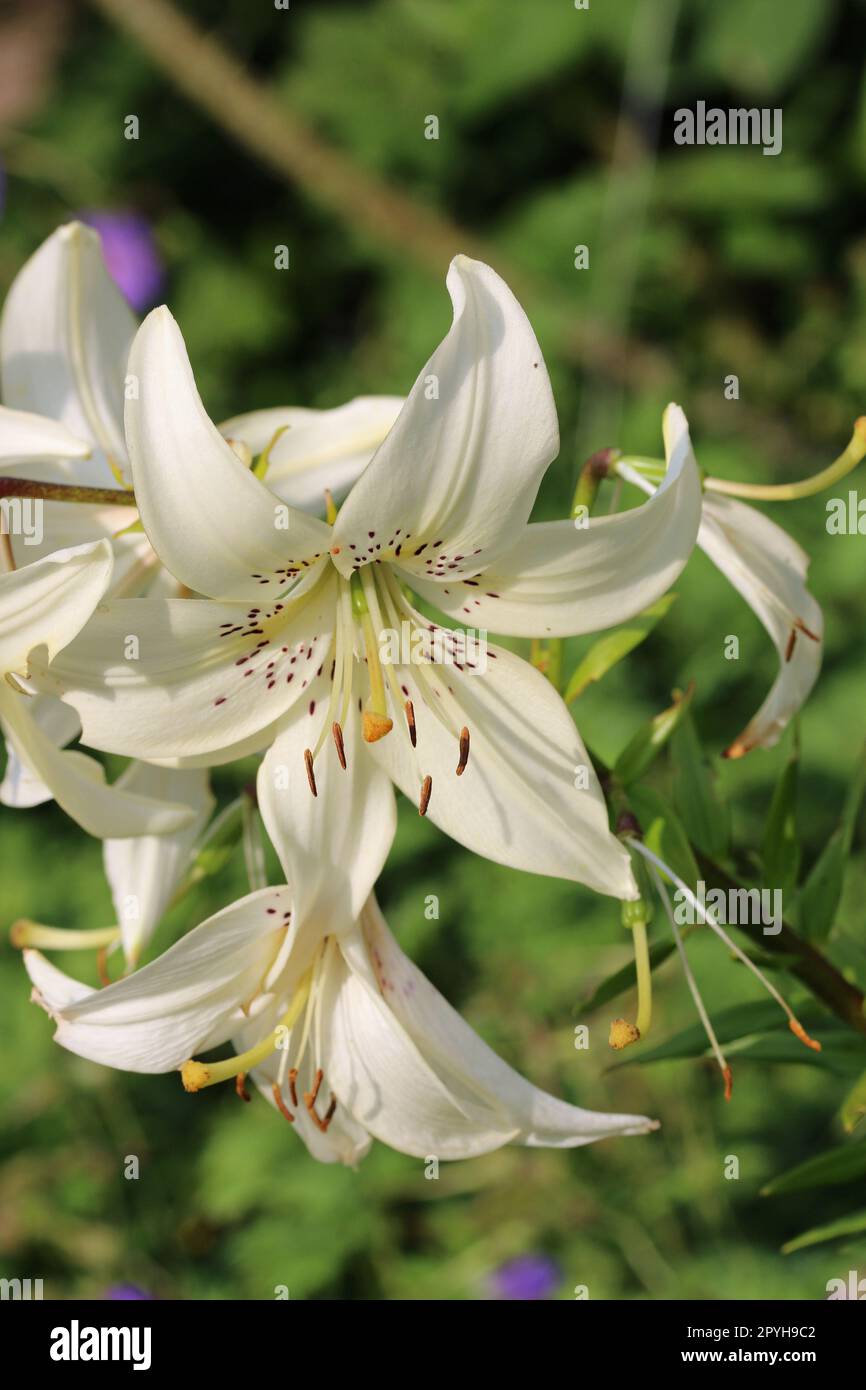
555	130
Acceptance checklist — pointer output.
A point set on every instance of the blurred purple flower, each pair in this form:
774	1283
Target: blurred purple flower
525	1277
130	254
127	1291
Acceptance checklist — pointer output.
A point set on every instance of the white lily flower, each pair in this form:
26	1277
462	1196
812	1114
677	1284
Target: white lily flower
345	1036
768	568
290	642
43	606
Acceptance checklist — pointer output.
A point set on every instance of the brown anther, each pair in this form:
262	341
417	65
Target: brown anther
293	1076
464	751
281	1104
410	720
240	1088
375	726
311	776
729	1082
792	642
806	631
338	740
426	789
799	1031
310	1097
329	1113
102	965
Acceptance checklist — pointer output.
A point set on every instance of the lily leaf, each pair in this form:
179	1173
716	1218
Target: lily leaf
663	832
695	794
854	1105
780	850
851	1225
839	1165
822	891
608	650
644	747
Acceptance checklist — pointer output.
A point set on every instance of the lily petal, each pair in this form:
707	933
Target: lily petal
332	846
78	784
521	800
419	1078
768	568
183	690
319	449
214	525
47	603
25	437
20	789
559	580
458	473
144	873
65	336
185	1002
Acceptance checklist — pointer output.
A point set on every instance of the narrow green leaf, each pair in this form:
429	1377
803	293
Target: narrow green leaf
822	891
852	1225
695	793
854	1105
663	832
622	979
780	848
644	747
608	650
839	1165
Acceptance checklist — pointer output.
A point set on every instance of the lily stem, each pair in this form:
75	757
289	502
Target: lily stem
67	492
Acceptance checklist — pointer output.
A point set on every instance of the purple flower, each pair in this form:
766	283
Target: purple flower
525	1277
127	1291
130	254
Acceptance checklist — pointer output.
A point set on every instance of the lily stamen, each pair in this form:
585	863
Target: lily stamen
240	1089
293	1092
426	791
410	720
464	751
727	1074
794	1023
311	776
281	1104
338	740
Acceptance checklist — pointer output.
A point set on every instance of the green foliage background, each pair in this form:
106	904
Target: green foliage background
703	262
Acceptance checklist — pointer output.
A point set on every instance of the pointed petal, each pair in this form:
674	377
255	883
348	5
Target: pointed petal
415	1074
521	800
560	580
463	462
214	525
25	437
768	569
319	448
145	872
332	846
65	336
20	788
185	1002
184	690
49	602
78	784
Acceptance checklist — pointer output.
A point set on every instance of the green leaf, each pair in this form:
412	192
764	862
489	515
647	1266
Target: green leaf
741	1022
663	832
695	794
780	849
608	650
854	1105
623	979
852	1225
644	747
745	45
839	1165
822	891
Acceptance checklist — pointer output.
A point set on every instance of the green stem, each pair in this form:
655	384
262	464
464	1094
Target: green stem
67	492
